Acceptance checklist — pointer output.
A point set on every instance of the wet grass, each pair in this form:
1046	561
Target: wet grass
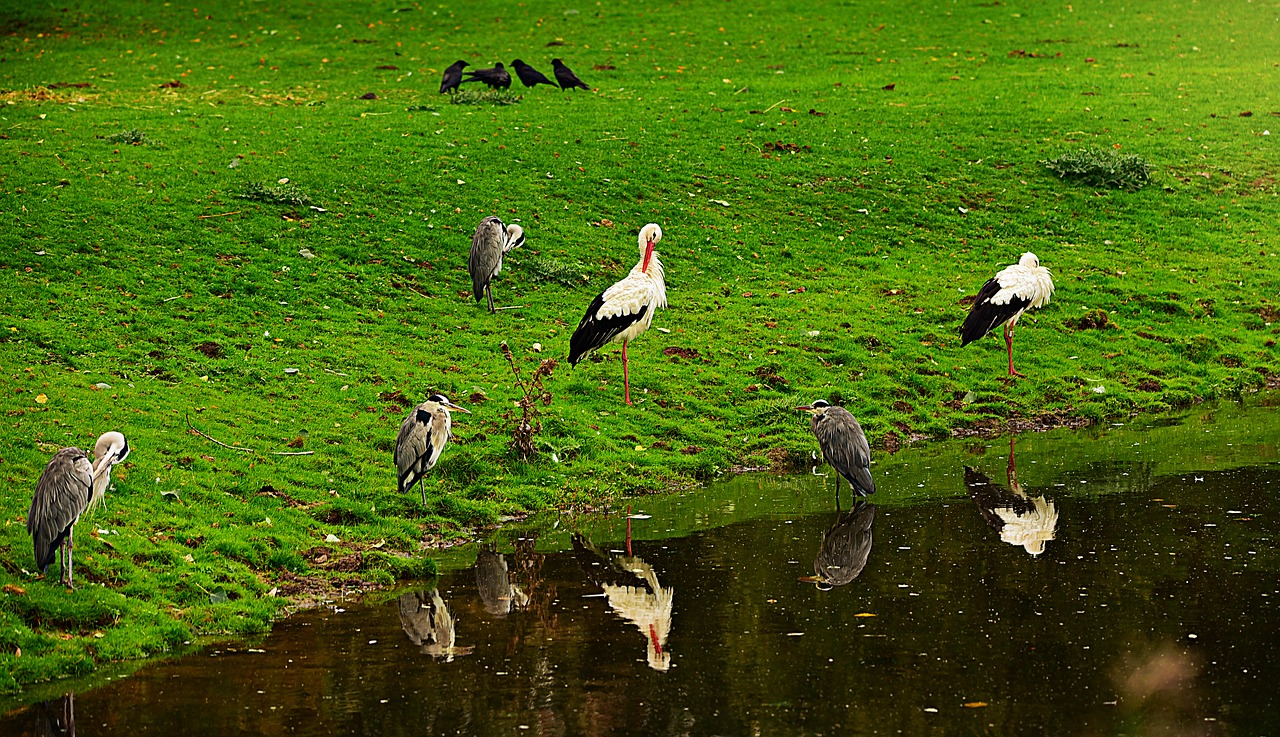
831	184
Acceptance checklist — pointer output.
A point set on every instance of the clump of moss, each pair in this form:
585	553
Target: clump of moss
399	566
1092	320
277	194
132	137
484	97
1102	167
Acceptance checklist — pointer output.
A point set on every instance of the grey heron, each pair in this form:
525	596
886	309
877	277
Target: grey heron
70	485
428	623
1023	286
422	438
529	76
492	241
493	581
452	76
843	444
624	310
497	78
846	545
566	78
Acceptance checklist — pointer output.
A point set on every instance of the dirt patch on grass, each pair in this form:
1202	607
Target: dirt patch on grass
1092	320
210	349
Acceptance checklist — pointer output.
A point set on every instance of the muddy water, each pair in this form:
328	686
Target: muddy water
1118	580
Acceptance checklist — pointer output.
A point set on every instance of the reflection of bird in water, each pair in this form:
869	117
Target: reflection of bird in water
56	717
494	583
426	619
845	548
632	589
1018	518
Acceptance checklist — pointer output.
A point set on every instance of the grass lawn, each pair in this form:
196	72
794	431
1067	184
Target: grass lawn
831	183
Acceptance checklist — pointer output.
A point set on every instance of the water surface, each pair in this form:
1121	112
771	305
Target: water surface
1118	580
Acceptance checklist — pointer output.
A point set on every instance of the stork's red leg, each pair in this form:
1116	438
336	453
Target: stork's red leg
626	381
1008	342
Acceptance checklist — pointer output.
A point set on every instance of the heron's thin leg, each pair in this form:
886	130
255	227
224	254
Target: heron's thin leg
626	381
70	546
423	489
488	290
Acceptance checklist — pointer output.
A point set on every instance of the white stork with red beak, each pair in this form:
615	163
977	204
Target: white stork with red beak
624	310
1023	286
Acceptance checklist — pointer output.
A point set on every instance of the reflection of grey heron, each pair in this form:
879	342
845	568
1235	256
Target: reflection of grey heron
57	717
624	310
422	438
426	619
843	444
846	545
631	587
1018	518
1023	286
491	242
493	581
70	485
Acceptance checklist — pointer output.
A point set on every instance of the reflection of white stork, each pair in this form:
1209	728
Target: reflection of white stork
624	310
1023	286
1018	518
426	619
631	587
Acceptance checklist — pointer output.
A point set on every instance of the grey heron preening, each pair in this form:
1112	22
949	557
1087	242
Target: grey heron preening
566	78
452	76
843	444
624	310
492	241
846	545
70	485
1020	519
1023	286
631	587
422	438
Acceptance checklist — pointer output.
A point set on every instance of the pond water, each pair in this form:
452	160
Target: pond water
1115	580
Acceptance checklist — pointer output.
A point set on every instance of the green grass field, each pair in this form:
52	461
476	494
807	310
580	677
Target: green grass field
830	184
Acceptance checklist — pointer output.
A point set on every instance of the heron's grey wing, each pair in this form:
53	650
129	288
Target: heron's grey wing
486	253
493	582
62	493
415	617
846	448
413	448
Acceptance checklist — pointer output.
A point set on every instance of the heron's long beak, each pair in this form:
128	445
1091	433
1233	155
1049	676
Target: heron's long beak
451	405
648	254
806	408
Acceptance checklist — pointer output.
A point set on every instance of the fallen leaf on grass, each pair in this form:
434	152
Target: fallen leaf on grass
14	589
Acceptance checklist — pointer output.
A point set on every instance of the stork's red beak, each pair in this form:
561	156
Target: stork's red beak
648	254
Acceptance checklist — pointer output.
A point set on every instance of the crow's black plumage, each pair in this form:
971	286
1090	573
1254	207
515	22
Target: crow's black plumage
497	77
452	76
566	78
529	76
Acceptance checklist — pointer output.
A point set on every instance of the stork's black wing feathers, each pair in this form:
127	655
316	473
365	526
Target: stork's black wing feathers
600	568
984	316
594	333
989	497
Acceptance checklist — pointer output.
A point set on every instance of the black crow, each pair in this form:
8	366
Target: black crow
530	76
497	78
452	76
565	77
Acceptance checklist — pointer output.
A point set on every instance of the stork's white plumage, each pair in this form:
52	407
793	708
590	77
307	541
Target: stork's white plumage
624	310
1023	286
631	587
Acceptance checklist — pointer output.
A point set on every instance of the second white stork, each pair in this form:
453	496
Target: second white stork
624	310
1023	286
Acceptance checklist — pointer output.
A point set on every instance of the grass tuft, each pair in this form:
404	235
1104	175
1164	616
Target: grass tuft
553	271
133	137
277	194
484	97
1102	167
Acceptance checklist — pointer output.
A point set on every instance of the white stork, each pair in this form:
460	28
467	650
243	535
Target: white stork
491	242
1023	286
631	587
624	310
422	438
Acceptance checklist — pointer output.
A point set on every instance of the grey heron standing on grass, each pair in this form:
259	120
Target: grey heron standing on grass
624	310
843	444
422	438
1023	286
491	242
70	485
